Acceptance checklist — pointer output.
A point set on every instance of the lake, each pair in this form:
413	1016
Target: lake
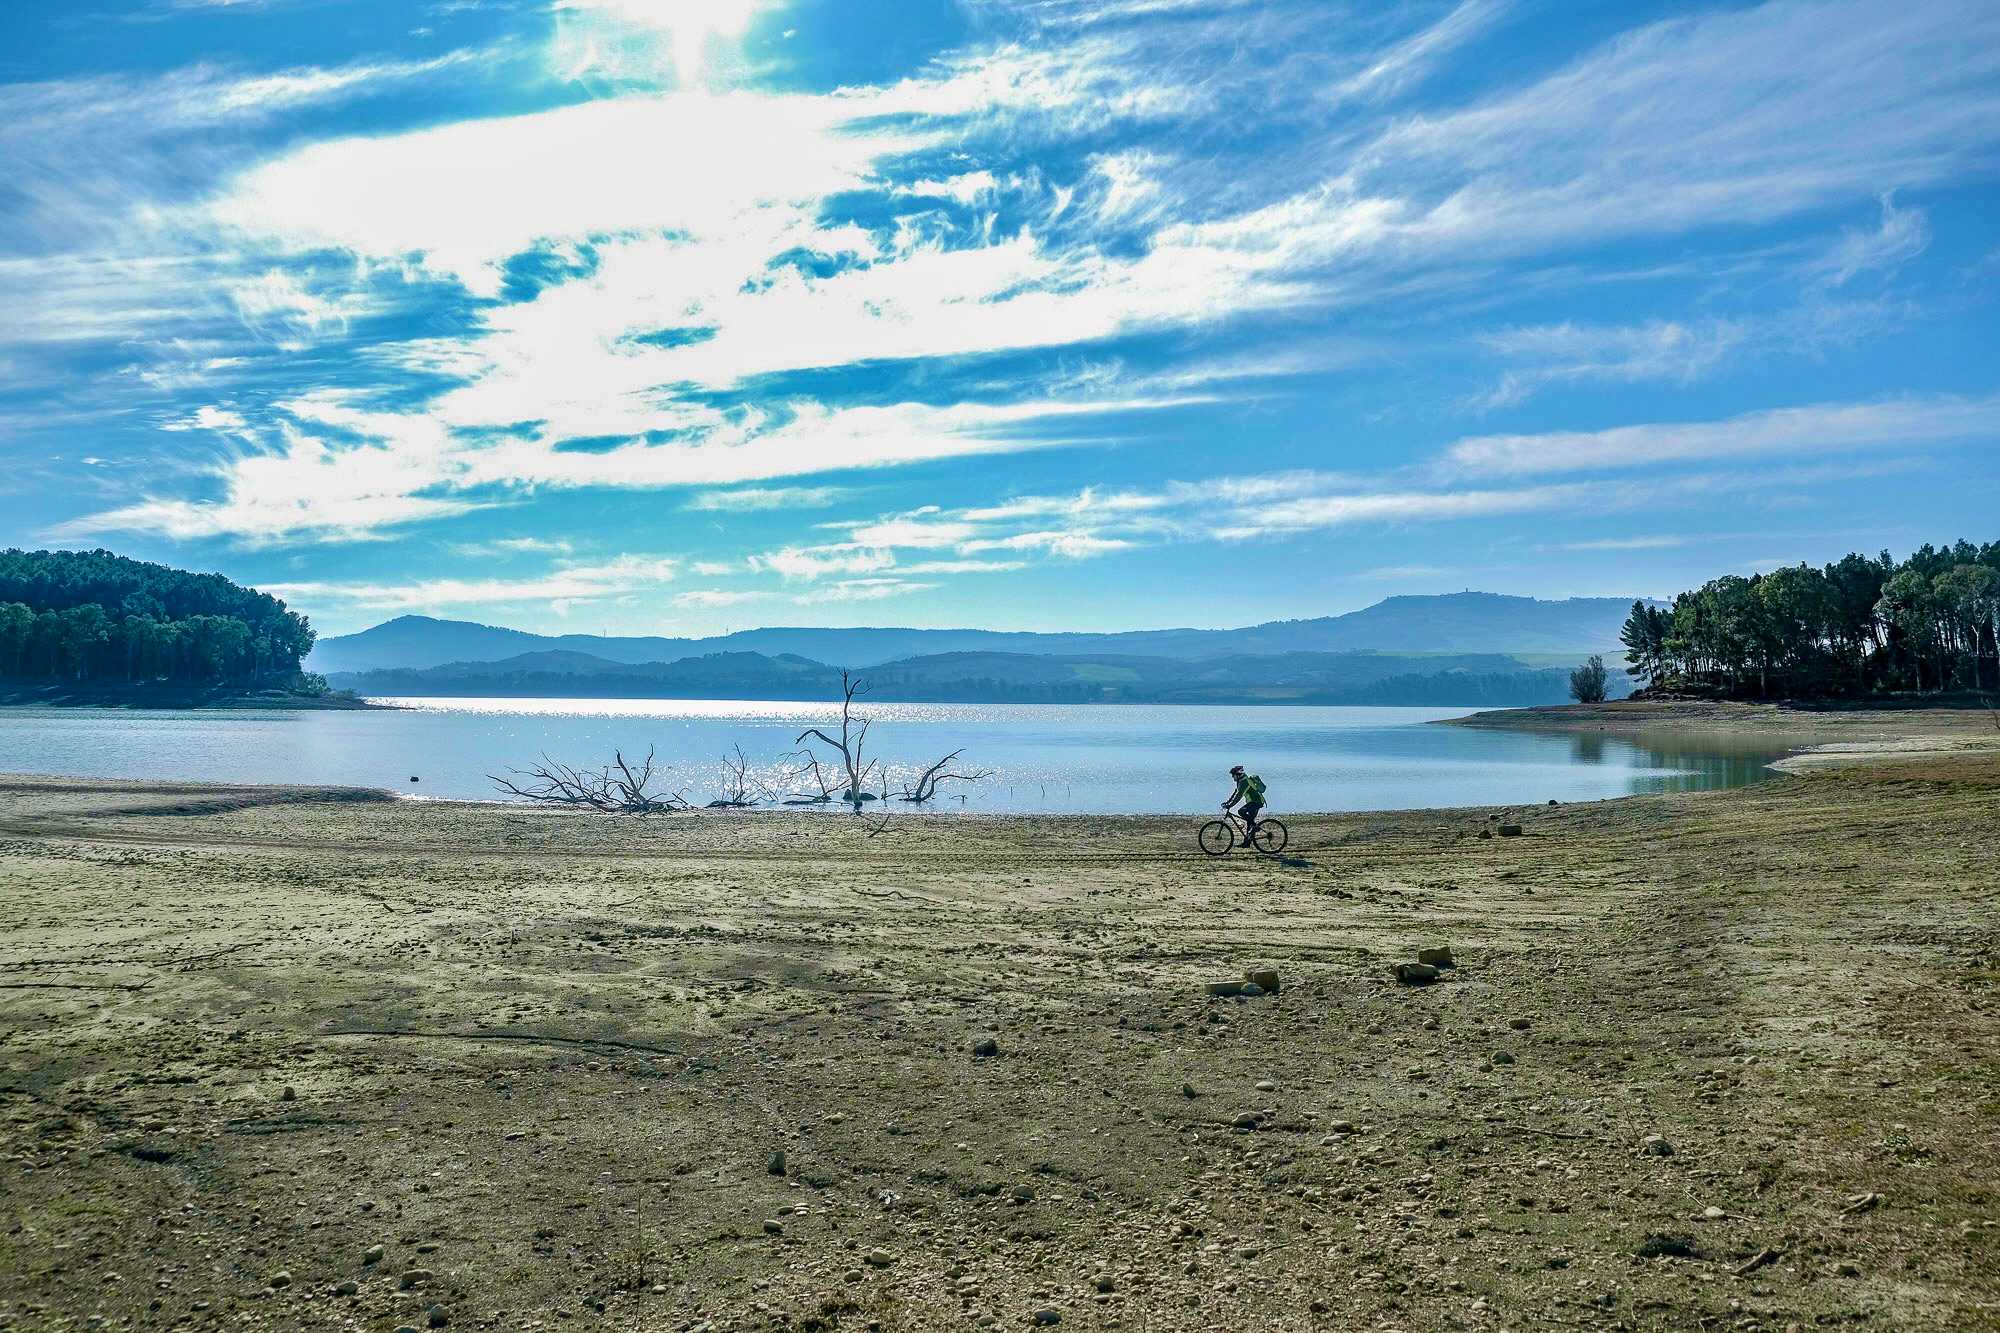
1101	759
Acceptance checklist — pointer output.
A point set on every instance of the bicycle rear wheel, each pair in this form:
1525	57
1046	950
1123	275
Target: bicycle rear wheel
1217	837
1272	835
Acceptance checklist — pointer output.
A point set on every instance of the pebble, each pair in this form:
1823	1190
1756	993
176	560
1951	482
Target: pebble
1187	1090
281	1279
1022	1194
879	1258
1246	1120
1656	1145
1713	1214
985	1046
1503	1058
1266	1085
1047	1315
1520	1024
373	1255
776	1165
1342	1127
413	1278
1251	990
1439	956
290	1094
1415	974
348	1288
437	1317
773	1227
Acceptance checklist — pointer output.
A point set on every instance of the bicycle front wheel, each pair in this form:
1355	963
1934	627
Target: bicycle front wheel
1217	837
1272	836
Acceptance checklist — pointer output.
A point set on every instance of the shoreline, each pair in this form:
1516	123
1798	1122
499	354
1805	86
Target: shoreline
1820	737
218	699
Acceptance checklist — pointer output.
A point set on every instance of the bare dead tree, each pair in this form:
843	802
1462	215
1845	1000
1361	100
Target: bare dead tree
739	789
824	784
615	789
926	785
853	736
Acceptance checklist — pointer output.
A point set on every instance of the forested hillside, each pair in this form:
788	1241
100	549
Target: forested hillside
1857	626
91	617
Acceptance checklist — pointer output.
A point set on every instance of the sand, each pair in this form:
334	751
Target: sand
544	1062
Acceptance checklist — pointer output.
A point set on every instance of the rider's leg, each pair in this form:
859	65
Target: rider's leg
1250	824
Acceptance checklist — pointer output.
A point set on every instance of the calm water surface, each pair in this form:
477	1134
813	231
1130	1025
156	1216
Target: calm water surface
1107	759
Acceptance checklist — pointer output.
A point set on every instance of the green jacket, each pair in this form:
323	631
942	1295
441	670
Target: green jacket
1249	790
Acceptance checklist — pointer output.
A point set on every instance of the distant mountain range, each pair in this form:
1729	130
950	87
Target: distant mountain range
1490	679
1466	622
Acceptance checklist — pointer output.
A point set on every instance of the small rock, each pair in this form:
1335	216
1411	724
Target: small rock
373	1255
776	1165
1846	1270
1225	988
985	1046
280	1279
1251	990
1440	956
1105	1283
1520	1024
348	1288
1713	1214
1656	1145
1022	1194
290	1094
1342	1127
878	1258
1266	1085
1415	974
1187	1090
1047	1315
1661	1246
414	1277
1503	1058
436	1316
1246	1120
1264	978
1510	830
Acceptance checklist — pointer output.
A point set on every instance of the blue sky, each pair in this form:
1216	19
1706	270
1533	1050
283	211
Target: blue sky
654	316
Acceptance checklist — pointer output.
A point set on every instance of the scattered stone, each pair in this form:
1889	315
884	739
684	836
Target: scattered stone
1266	1085
1047	1315
1022	1194
776	1165
1187	1091
280	1279
1225	988
437	1317
1520	1024
1656	1145
348	1288
985	1046
1250	990
1713	1214
1246	1120
1510	830
1440	956
878	1258
1503	1057
1342	1127
1846	1270
1265	978
414	1277
373	1255
1415	974
290	1094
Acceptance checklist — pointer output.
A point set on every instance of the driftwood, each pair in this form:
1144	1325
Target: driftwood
616	789
926	785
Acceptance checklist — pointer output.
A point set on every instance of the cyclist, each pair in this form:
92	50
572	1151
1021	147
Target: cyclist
1250	791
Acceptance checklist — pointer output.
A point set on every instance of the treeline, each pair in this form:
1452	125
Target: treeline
1857	626
95	618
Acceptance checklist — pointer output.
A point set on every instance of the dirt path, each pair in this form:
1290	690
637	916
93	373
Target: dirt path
545	1063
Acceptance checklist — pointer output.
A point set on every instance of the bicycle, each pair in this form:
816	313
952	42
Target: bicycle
1219	836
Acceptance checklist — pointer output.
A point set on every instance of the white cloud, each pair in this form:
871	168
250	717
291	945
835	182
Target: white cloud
864	590
571	583
1819	429
797	563
1900	236
1571	353
719	597
750	499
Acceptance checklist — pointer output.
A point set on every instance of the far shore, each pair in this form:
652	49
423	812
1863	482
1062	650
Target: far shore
1826	735
140	697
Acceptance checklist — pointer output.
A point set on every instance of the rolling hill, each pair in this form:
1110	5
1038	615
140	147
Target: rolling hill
1466	622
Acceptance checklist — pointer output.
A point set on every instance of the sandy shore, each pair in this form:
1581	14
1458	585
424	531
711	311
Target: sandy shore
314	1059
1826	737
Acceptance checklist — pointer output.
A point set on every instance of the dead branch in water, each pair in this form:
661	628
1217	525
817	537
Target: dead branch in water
615	789
853	736
739	790
926	786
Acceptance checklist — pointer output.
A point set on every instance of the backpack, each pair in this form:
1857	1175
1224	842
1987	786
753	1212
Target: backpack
1253	790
